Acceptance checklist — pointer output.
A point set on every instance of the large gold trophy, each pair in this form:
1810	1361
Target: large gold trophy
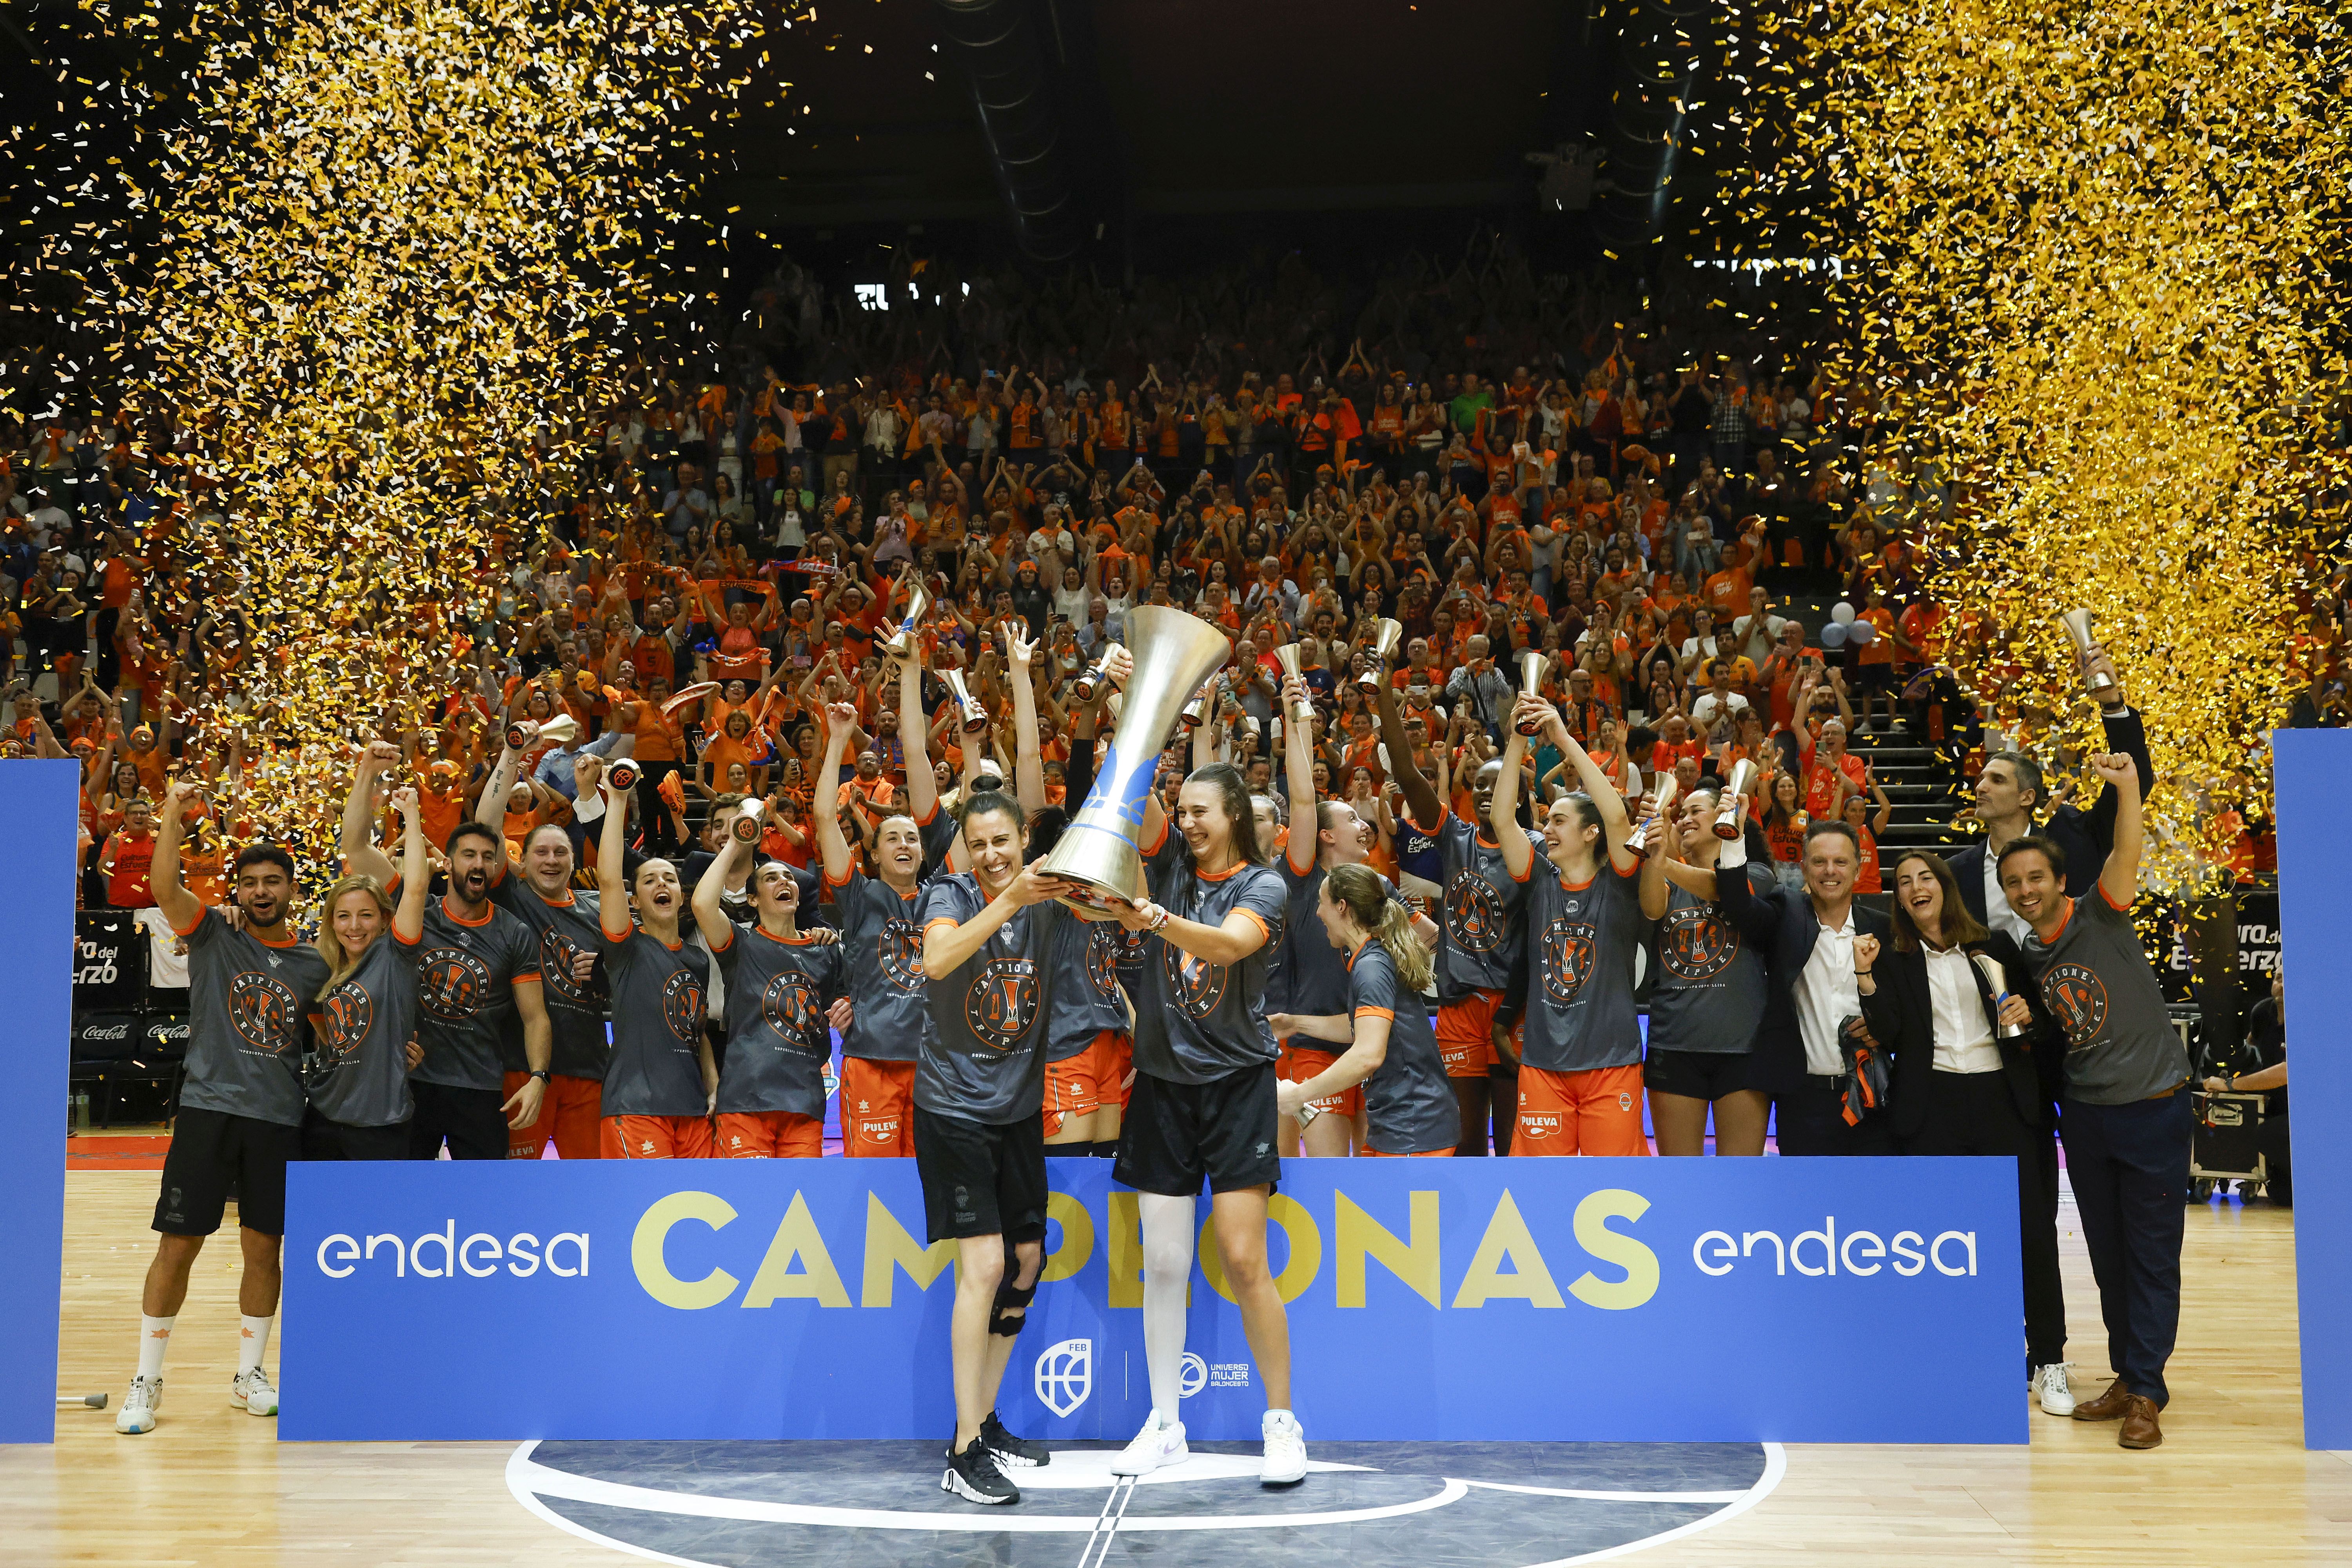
1100	852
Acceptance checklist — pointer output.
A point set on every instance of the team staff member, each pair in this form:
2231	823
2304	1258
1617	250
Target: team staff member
1392	1050
367	1014
536	888
780	982
1482	931
887	1015
479	973
663	1080
1938	1002
1204	1106
240	1106
980	1139
1707	996
2124	1122
1806	934
1580	1041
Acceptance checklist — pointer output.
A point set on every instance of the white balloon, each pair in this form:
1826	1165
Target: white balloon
1841	613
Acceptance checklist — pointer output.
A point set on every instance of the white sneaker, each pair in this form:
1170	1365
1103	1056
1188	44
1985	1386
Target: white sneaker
139	1406
254	1393
1153	1447
1285	1449
2056	1395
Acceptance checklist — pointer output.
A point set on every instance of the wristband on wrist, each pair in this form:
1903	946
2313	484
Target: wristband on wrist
542	1074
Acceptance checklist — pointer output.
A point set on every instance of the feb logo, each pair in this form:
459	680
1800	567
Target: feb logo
2079	998
1065	1375
682	1005
261	1007
789	1005
1197	984
1002	1003
1693	944
349	1011
899	949
1475	918
452	984
1568	959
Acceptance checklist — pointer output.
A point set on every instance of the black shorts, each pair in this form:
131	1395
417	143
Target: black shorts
1860	677
1695	1075
1175	1135
210	1152
469	1117
982	1178
325	1140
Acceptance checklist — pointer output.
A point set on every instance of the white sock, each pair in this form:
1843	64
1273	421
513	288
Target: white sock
1167	1272
154	1339
253	1337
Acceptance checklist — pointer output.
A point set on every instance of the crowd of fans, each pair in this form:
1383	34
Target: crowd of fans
1561	480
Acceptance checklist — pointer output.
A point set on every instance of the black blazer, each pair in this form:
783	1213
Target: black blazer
1902	1017
1784	928
2084	837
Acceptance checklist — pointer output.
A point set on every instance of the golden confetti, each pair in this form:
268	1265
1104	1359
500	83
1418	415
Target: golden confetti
2093	271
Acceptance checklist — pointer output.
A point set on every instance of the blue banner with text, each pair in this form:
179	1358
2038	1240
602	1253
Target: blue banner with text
1635	1299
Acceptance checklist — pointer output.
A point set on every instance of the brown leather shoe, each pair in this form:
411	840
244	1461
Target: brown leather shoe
2140	1430
2107	1407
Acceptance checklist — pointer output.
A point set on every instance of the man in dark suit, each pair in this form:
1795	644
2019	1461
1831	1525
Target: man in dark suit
1807	938
2011	793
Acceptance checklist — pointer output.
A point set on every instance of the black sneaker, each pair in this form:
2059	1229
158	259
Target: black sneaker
972	1476
1011	1451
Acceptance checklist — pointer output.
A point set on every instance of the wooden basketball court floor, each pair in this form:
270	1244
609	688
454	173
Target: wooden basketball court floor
2233	1484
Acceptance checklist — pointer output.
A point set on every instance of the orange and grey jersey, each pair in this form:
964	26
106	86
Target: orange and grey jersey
1708	995
1481	927
889	1020
984	1059
778	1042
658	1011
360	1076
2121	1045
464	994
575	1011
1088	958
1196	1021
247	999
1409	1103
1581	939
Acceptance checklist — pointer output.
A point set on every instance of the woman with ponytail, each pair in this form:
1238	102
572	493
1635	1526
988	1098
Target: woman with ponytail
1408	1101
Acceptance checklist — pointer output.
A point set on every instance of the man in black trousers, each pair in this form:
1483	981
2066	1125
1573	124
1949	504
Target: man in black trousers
2126	1119
1807	938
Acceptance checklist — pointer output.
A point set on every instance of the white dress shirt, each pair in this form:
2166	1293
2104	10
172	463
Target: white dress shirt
1963	1039
1826	993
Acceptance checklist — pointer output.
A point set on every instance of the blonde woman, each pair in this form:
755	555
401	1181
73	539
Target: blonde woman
366	1011
1409	1105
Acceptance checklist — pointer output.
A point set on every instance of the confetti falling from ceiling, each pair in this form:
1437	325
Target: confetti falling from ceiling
2095	269
384	265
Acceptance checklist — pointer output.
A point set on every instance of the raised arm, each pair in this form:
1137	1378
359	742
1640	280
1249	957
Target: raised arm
1615	825
179	907
1028	759
360	853
1424	807
611	851
840	719
1503	812
710	914
1299	773
914	736
2120	879
415	878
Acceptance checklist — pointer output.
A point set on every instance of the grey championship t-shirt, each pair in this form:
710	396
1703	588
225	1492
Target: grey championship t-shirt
2120	1044
888	1018
1194	1021
1581	1014
1709	990
246	1003
1481	925
359	1076
1088	962
464	994
1318	970
657	993
575	1013
1407	1102
984	1059
778	1042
